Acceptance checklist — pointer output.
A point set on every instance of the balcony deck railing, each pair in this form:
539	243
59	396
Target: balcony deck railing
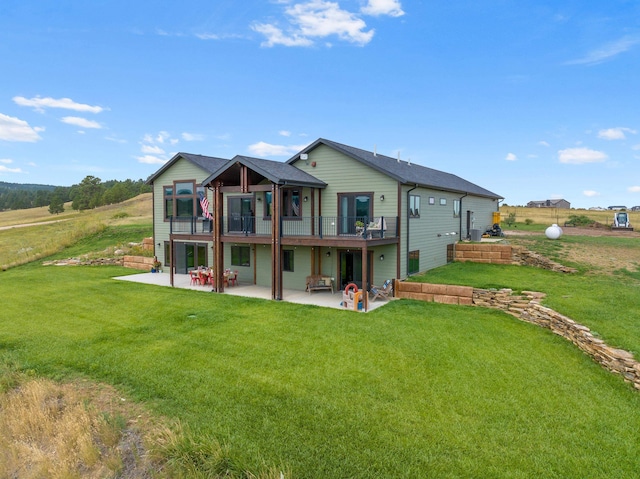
357	227
191	225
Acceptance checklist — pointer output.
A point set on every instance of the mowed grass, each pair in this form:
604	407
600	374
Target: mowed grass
409	390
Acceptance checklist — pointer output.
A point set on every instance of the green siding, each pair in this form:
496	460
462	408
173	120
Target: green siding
181	170
346	175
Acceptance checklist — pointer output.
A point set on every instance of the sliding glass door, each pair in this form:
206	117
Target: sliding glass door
353	207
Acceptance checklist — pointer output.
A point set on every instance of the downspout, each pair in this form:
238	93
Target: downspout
408	221
460	215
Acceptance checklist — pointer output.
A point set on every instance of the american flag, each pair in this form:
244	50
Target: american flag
204	202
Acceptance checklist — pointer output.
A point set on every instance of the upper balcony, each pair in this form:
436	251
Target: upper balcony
343	227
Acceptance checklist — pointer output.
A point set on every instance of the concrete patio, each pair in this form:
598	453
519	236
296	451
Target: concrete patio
320	298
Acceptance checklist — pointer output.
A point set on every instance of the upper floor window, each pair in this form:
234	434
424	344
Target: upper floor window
183	199
290	204
456	208
414	206
443	201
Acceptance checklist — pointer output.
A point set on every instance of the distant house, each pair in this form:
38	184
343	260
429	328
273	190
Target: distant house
333	210
549	204
635	208
616	208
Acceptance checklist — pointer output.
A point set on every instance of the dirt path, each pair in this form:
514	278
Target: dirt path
25	225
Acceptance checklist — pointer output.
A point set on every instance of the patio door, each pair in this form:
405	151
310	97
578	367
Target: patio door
353	207
351	268
240	214
189	256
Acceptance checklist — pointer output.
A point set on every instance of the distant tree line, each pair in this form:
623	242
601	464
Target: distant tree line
89	193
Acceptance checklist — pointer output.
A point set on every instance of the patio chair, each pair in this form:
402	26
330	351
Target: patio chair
381	292
194	278
233	279
377	227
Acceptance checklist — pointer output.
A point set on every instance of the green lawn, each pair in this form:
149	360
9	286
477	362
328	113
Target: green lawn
409	390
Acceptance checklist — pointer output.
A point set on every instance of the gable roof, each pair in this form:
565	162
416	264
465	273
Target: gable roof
403	171
207	163
275	171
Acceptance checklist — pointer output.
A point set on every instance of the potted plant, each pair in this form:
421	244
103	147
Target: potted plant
359	227
156	266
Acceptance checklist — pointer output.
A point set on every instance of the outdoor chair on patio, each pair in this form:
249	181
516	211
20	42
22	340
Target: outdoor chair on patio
194	278
233	279
381	292
377	228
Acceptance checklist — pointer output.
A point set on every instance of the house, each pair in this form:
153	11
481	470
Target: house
332	210
549	204
616	208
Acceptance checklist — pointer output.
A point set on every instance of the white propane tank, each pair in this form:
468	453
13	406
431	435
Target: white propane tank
553	232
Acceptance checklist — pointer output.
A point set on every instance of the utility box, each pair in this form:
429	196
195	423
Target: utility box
496	217
476	235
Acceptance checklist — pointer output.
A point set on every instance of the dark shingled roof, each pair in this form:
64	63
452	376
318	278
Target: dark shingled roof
404	172
207	163
275	171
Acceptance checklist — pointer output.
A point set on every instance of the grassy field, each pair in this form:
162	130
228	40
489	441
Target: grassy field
409	390
51	234
548	216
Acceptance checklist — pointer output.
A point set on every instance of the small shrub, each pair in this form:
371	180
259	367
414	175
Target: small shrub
511	219
579	220
121	215
528	221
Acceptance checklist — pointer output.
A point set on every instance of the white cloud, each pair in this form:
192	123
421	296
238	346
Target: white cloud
265	149
151	160
81	122
511	157
275	36
4	169
543	143
14	129
590	193
634	189
152	149
39	104
284	133
383	7
6	161
579	156
636	147
192	137
316	19
607	51
615	133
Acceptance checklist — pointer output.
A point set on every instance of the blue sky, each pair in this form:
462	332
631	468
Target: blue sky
531	99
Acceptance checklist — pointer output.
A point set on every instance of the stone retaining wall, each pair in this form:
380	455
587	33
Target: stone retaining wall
85	262
527	307
498	253
138	262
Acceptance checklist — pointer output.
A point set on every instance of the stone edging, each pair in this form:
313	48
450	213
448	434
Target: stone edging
527	307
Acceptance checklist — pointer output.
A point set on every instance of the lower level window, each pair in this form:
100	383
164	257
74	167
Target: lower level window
414	261
240	256
287	260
